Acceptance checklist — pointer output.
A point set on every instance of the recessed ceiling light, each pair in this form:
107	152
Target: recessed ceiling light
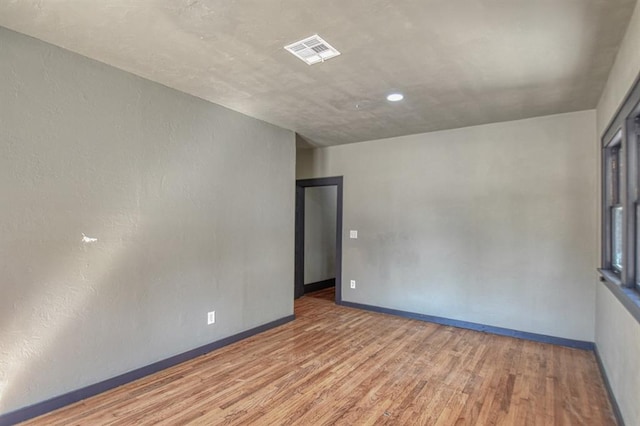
395	97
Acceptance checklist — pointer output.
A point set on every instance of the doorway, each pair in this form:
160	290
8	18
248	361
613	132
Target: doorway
311	195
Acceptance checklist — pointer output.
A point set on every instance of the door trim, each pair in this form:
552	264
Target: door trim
301	184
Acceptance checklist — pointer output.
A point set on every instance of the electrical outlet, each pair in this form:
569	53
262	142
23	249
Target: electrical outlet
353	283
211	317
353	234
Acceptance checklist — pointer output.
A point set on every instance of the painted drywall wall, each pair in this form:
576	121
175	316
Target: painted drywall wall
492	224
617	332
622	75
191	206
618	342
320	206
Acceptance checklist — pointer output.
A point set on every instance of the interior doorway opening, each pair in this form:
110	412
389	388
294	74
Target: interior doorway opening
318	240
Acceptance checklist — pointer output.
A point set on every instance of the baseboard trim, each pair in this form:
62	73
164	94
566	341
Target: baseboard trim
55	403
319	285
560	341
607	385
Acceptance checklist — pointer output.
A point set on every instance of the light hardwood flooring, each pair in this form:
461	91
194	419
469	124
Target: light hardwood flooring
336	365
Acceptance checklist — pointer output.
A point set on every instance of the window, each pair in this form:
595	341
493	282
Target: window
621	203
634	137
632	230
614	177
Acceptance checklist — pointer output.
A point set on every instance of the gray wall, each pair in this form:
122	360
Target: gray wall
617	332
320	206
492	224
192	206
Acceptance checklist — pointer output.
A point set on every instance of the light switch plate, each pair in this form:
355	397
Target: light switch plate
353	234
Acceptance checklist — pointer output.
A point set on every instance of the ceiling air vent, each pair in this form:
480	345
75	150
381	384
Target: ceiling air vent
312	50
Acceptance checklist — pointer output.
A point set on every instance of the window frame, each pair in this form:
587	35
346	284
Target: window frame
633	139
613	189
623	136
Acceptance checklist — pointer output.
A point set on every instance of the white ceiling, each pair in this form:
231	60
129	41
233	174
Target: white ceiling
458	62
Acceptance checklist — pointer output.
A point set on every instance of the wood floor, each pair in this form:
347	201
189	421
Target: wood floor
336	365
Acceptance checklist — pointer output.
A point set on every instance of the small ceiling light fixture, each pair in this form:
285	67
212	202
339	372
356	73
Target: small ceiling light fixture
312	50
395	97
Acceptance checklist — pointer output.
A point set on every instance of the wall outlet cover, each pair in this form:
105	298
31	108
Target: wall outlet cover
353	234
353	283
211	317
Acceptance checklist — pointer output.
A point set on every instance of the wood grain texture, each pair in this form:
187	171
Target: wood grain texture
336	365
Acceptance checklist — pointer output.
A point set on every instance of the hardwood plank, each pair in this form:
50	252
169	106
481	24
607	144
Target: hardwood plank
337	365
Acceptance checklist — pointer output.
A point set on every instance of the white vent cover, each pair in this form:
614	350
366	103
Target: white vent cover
312	50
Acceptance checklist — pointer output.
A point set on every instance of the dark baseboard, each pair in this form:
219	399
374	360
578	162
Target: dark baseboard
607	385
578	344
319	285
43	407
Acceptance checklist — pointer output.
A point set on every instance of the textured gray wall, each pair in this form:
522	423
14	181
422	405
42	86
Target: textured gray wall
192	206
320	233
618	340
492	224
617	332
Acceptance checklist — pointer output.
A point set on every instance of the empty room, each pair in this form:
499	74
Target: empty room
279	212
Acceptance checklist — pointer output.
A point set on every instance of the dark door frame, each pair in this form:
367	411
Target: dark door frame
301	184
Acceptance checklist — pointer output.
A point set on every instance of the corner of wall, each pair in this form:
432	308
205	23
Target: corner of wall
617	334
